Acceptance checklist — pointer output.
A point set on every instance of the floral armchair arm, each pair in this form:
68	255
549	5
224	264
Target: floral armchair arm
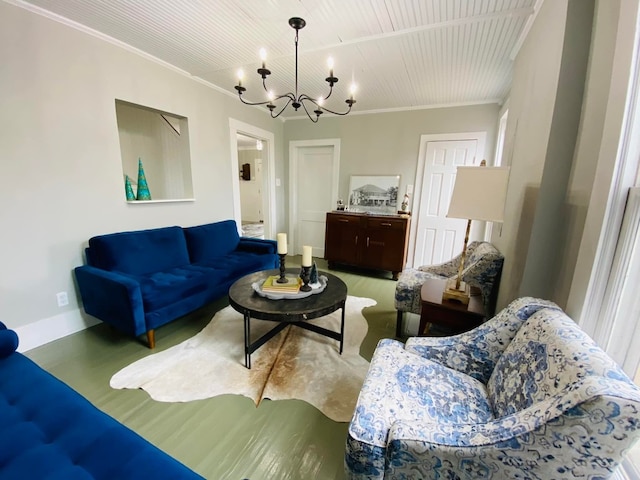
477	351
586	429
449	268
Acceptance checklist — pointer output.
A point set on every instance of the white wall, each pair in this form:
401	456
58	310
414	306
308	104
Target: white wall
60	167
388	143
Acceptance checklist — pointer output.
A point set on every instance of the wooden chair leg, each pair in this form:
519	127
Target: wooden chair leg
399	324
151	338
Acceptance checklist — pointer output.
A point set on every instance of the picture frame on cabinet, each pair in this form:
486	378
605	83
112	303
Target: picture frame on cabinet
374	193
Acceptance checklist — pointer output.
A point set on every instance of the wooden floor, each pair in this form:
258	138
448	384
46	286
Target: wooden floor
225	437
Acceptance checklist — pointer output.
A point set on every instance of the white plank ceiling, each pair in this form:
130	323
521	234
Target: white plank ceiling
402	54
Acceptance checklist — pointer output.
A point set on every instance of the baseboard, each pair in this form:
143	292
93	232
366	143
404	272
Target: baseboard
49	329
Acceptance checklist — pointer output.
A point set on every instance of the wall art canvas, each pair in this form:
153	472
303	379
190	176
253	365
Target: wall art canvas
374	193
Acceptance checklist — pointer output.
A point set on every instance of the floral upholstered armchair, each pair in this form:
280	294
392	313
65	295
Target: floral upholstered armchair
482	269
525	395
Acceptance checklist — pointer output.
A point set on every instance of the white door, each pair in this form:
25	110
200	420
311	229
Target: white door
439	238
314	178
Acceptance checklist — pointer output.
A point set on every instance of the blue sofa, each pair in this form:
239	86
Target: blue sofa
48	430
138	281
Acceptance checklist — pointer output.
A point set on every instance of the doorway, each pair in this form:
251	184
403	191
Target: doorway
434	237
253	201
314	168
249	169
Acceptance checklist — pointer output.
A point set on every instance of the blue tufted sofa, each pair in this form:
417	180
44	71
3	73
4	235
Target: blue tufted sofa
48	430
138	281
526	395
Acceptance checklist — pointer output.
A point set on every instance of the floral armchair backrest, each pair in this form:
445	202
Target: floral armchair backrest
552	359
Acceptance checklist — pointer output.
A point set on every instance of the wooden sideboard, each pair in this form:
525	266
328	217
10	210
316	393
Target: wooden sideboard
367	240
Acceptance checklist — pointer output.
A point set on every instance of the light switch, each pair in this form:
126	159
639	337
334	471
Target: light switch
277	182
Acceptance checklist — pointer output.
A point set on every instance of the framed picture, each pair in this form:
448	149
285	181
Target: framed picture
374	193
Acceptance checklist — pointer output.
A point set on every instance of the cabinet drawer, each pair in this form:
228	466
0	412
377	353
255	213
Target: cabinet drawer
343	219
391	223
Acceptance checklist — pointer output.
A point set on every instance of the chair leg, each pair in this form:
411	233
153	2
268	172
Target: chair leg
151	338
399	324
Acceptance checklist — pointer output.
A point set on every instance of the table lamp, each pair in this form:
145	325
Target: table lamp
479	193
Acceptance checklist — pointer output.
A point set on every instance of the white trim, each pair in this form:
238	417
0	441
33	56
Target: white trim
49	329
490	101
294	147
619	321
480	137
269	180
525	31
623	125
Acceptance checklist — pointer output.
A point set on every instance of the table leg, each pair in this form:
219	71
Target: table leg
342	330
247	337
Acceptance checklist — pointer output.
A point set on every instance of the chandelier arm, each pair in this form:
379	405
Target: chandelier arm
307	111
283	108
338	113
330	92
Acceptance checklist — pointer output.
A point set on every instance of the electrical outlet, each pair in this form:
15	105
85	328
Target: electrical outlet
63	299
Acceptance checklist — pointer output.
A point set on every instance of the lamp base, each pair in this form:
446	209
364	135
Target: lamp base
461	294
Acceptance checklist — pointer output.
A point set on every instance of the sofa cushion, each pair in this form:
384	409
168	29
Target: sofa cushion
50	431
402	386
160	289
548	356
140	252
211	241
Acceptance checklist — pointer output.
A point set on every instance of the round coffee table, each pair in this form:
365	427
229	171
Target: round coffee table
285	312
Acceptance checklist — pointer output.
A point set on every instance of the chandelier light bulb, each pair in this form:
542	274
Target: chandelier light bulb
270	95
263	57
352	89
240	75
330	65
320	101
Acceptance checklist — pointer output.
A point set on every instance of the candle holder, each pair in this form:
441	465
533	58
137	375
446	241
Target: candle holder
282	278
305	275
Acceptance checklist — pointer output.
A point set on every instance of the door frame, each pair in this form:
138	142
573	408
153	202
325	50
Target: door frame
268	174
480	137
294	148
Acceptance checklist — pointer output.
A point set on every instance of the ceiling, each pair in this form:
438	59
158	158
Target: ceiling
402	54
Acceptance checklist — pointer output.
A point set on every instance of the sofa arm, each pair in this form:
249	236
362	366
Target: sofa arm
477	351
605	404
257	245
112	297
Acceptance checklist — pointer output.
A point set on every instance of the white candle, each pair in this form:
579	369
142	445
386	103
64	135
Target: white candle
306	256
282	243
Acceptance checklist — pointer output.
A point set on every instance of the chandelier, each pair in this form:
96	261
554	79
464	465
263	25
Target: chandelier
293	98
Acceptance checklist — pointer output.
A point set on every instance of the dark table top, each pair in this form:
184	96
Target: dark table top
242	298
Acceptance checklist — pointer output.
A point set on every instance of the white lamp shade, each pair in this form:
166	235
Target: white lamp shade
479	193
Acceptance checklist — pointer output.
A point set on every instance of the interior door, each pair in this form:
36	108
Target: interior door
439	238
314	195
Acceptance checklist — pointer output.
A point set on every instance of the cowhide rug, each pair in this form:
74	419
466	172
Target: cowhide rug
296	363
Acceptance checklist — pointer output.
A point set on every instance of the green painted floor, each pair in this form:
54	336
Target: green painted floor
224	437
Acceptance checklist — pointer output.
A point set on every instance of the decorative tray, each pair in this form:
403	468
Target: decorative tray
257	287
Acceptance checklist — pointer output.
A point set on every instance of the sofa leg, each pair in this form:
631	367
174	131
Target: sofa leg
399	324
151	338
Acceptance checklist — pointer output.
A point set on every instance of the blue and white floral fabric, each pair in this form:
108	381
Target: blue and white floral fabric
552	404
483	265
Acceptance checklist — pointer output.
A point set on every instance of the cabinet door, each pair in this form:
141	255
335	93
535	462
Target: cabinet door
342	239
385	244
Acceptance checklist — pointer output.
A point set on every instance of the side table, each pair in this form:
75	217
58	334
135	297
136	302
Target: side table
448	313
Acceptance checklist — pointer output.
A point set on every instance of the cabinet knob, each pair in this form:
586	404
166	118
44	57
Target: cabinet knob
343	220
385	224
